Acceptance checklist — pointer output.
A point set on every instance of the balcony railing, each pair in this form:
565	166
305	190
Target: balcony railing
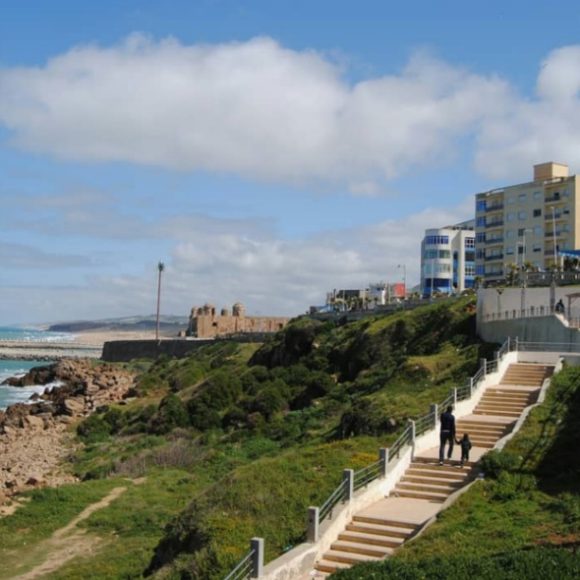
558	234
494	224
494	257
494	207
493	241
557	216
554	199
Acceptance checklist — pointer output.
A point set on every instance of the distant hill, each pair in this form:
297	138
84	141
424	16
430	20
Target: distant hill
130	323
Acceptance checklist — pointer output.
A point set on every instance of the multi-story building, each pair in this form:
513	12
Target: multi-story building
448	259
527	224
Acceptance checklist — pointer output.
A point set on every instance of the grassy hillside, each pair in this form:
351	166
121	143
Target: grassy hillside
523	520
238	440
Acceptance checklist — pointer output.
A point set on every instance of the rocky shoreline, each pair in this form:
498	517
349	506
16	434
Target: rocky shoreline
36	438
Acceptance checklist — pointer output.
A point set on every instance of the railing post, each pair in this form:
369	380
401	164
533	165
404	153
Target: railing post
413	435
471	387
435	411
508	344
517	344
384	457
455	397
483	363
257	547
313	522
348	478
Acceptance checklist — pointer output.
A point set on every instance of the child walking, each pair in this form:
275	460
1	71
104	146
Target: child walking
465	444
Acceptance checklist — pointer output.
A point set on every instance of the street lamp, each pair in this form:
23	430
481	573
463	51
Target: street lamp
160	268
404	266
554	236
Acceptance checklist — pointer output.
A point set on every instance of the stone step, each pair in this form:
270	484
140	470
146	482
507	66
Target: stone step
376	529
496	413
483	424
429	487
503	401
427	495
483	444
434	463
384	522
349	557
360	549
432	478
493	407
372	539
439	473
330	567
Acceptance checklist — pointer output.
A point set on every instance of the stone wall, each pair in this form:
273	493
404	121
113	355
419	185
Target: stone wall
126	350
205	322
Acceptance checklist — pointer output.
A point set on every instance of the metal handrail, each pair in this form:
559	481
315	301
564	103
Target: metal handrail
423	424
243	569
365	475
396	447
337	495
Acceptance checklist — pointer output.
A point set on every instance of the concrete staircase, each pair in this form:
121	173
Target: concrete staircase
380	529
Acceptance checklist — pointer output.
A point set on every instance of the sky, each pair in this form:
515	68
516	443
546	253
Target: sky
266	152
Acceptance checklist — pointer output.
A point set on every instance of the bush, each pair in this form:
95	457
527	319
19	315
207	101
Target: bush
94	429
496	462
364	418
171	414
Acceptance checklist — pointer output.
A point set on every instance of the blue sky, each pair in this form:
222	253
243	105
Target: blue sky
266	151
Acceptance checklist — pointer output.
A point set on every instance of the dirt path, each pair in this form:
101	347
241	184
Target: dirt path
68	542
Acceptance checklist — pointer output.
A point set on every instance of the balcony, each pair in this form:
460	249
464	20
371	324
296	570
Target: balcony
555	199
557	216
494	207
559	234
493	241
494	224
493	257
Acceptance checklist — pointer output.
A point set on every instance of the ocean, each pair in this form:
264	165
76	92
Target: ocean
10	368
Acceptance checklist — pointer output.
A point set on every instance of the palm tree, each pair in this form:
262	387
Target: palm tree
160	268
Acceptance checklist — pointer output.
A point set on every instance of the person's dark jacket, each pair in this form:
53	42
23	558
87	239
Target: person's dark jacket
448	423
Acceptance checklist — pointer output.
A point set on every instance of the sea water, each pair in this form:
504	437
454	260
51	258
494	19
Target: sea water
11	368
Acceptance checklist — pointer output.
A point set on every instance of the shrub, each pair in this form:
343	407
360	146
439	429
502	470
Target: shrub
94	429
495	462
364	418
171	414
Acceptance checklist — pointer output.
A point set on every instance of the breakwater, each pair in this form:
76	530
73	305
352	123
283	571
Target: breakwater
44	350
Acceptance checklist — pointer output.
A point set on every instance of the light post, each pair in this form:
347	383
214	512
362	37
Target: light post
404	266
160	268
554	237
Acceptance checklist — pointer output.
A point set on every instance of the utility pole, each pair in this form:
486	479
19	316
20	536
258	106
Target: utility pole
160	268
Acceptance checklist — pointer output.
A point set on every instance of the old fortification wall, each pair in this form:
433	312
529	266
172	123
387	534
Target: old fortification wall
126	350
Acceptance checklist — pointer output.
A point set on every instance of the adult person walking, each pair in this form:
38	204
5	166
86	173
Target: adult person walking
447	433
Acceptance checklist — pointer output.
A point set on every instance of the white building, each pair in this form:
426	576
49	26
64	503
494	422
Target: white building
448	259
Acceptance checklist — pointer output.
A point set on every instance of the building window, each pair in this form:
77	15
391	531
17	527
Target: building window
521	232
522	197
444	254
510	217
538	231
469	271
480	205
480	222
470	242
480	238
437	240
537	247
537	195
522	215
510	234
479	270
509	250
511	200
470	256
537	213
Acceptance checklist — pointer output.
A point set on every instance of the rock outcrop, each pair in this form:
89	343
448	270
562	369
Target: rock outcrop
34	438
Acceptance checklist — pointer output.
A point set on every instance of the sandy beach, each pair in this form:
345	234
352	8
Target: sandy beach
87	344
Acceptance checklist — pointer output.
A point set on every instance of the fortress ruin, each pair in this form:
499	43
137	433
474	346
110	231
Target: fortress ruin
204	322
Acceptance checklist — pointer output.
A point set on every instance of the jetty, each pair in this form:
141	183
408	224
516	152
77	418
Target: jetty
45	350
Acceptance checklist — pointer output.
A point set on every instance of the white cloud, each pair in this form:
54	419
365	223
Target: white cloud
252	108
225	261
544	128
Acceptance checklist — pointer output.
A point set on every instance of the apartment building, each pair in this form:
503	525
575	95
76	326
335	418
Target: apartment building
528	223
448	259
